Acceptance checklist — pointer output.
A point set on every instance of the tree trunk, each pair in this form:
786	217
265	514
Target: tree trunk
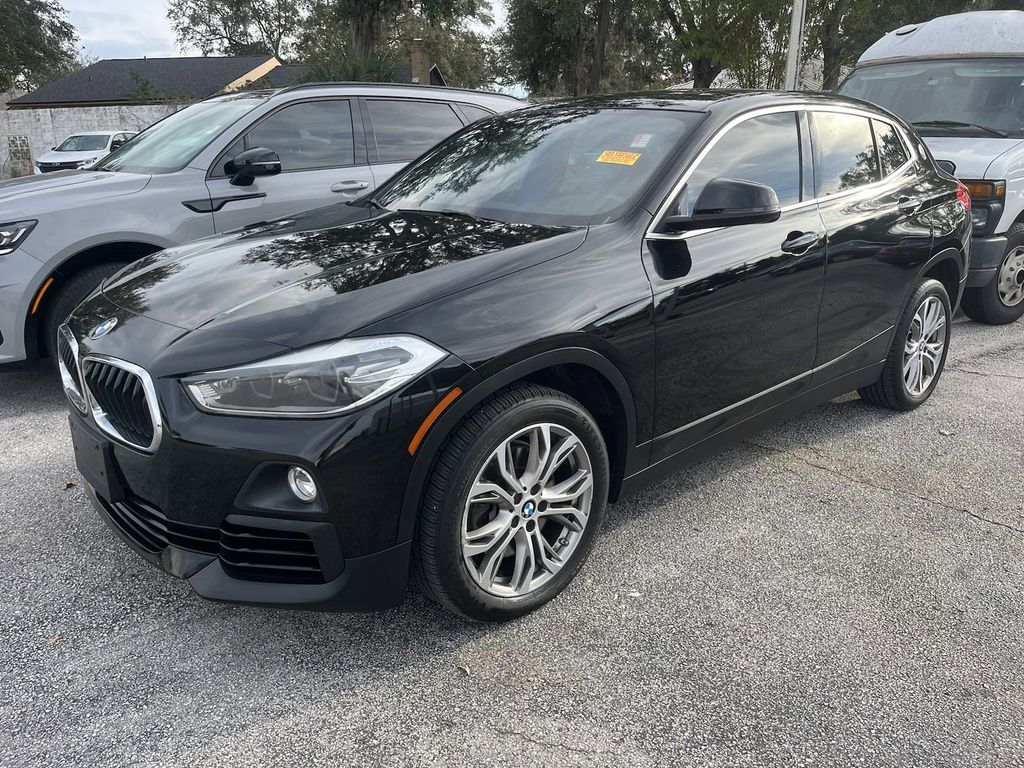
832	52
363	26
704	72
604	13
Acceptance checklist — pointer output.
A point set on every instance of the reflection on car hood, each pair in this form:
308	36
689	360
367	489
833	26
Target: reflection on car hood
971	155
294	282
50	191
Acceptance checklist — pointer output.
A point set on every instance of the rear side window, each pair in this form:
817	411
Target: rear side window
404	130
891	151
475	113
313	134
764	149
844	152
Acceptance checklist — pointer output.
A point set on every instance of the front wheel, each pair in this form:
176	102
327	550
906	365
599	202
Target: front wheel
918	353
1002	300
511	510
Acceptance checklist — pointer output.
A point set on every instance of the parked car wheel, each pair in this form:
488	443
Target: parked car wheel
1002	300
918	353
515	500
70	295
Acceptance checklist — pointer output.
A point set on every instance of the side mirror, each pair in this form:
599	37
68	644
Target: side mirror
116	145
729	203
247	165
947	166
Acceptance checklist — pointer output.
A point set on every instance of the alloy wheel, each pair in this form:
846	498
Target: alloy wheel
527	510
1011	278
926	340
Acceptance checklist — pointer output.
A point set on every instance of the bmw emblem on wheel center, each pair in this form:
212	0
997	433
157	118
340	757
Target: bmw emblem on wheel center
102	329
528	509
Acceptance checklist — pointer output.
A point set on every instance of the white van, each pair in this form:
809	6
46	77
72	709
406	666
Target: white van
959	80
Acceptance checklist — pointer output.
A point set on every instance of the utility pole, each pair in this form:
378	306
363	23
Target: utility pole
796	44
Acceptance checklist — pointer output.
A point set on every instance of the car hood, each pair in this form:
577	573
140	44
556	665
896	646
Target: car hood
971	155
32	194
71	157
299	281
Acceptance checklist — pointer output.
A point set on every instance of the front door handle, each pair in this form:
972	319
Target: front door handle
352	185
906	205
799	243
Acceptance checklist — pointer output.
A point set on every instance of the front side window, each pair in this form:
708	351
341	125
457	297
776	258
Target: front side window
572	166
968	97
84	143
763	149
404	130
312	134
844	152
174	142
891	151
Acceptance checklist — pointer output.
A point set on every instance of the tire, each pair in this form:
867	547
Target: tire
892	389
69	296
457	579
989	304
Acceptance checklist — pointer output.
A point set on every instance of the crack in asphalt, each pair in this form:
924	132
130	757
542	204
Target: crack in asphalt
880	487
956	369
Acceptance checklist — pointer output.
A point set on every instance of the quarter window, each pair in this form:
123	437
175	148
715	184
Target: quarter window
475	113
404	130
844	150
763	149
313	134
891	151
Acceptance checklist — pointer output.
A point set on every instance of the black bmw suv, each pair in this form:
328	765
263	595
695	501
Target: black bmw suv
454	376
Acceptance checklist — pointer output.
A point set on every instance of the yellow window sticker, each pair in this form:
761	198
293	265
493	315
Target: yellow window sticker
618	158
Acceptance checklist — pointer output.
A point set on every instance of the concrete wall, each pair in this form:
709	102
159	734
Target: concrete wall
41	129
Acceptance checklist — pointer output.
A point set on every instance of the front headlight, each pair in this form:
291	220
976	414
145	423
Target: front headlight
86	163
12	235
326	379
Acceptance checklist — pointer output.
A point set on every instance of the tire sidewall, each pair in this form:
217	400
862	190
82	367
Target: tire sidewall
460	586
927	289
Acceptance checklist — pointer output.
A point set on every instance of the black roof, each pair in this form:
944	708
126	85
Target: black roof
124	81
724	101
287	75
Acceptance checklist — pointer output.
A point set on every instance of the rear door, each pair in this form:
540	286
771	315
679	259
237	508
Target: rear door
873	202
400	130
323	161
737	307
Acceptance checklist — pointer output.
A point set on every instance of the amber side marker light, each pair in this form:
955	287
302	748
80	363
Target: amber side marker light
434	415
39	296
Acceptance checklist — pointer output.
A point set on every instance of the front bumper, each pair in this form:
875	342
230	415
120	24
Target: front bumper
986	256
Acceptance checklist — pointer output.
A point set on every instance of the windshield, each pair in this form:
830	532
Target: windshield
571	166
83	143
975	97
173	142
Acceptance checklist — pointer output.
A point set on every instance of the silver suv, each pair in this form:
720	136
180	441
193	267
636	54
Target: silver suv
223	163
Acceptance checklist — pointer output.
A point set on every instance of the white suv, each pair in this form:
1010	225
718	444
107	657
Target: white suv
959	80
218	165
81	150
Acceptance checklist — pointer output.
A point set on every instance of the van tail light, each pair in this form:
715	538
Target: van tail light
963	196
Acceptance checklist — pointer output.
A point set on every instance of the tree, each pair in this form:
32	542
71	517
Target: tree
236	27
39	43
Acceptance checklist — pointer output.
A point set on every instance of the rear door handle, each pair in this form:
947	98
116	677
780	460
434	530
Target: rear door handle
799	243
352	185
906	205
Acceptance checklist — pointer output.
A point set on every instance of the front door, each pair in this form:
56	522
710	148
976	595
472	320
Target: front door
737	307
323	161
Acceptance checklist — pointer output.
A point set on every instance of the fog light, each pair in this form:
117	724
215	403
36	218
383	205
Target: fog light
979	217
302	485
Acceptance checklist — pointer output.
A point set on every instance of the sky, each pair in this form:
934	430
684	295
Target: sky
131	29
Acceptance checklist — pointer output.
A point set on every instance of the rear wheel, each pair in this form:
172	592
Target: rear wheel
513	505
69	295
918	353
1002	300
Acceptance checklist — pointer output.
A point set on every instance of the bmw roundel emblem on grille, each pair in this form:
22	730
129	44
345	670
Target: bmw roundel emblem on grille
103	328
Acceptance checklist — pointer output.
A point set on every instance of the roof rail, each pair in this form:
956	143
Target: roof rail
350	83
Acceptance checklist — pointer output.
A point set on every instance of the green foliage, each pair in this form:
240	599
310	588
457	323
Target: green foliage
347	66
39	44
236	27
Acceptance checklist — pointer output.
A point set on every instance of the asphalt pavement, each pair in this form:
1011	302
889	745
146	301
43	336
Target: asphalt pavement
843	589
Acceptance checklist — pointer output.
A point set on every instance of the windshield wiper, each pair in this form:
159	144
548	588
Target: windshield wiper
367	202
958	124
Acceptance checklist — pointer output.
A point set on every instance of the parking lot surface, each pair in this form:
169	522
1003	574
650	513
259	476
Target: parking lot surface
844	589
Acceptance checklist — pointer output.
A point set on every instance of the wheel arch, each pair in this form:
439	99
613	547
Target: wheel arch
40	300
946	266
580	372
